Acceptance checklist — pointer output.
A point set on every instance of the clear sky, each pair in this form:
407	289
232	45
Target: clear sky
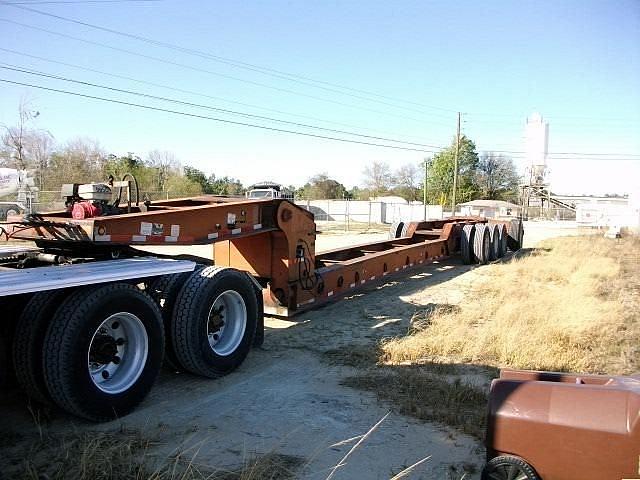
576	62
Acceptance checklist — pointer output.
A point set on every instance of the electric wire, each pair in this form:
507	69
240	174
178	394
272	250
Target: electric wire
215	119
209	72
191	92
239	64
222	110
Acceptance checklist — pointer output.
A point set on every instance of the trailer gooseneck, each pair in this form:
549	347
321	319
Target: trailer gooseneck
88	319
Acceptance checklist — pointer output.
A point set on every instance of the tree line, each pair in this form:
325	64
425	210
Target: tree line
488	175
161	174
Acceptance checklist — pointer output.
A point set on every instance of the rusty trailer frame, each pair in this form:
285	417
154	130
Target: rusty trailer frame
271	239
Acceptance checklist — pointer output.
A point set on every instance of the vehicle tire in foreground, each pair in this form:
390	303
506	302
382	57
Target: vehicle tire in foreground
103	351
11	308
507	467
482	244
494	234
466	243
214	322
164	291
28	342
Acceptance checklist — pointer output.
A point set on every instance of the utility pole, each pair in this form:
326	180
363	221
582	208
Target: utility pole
455	169
424	189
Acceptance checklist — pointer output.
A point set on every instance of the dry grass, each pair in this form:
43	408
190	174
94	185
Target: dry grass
570	305
130	454
418	392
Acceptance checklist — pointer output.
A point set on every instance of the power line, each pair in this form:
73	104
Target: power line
60	2
208	107
244	65
190	92
215	119
202	70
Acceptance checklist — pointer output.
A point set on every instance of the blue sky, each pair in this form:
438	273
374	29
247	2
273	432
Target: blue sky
576	62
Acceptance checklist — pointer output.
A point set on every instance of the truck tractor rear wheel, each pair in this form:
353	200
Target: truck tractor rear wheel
11	308
482	243
466	243
28	342
164	290
11	213
494	234
103	351
507	467
4	362
214	321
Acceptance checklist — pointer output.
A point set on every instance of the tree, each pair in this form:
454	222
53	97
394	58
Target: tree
497	177
39	147
25	147
440	183
224	186
165	163
377	178
78	161
197	176
407	182
320	186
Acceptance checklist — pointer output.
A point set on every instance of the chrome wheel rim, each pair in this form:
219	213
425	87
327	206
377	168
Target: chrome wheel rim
118	353
226	323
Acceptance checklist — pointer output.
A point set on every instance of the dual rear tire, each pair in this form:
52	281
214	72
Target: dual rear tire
96	351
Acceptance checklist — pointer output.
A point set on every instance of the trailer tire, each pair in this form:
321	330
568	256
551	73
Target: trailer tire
516	235
164	290
395	231
213	350
86	324
466	243
28	343
507	467
494	234
482	244
503	239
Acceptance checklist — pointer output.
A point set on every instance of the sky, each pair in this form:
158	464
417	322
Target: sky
394	70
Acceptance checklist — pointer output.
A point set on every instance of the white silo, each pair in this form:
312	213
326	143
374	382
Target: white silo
536	134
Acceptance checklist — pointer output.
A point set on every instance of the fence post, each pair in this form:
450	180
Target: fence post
369	224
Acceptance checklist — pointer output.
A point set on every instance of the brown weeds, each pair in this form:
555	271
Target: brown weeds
573	304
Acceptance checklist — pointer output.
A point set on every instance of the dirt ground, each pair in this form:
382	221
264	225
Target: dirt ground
288	397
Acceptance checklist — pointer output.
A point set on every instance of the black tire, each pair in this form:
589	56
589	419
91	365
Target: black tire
503	239
28	343
395	231
66	350
11	308
494	234
191	319
4	363
516	235
466	243
482	244
508	467
164	291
